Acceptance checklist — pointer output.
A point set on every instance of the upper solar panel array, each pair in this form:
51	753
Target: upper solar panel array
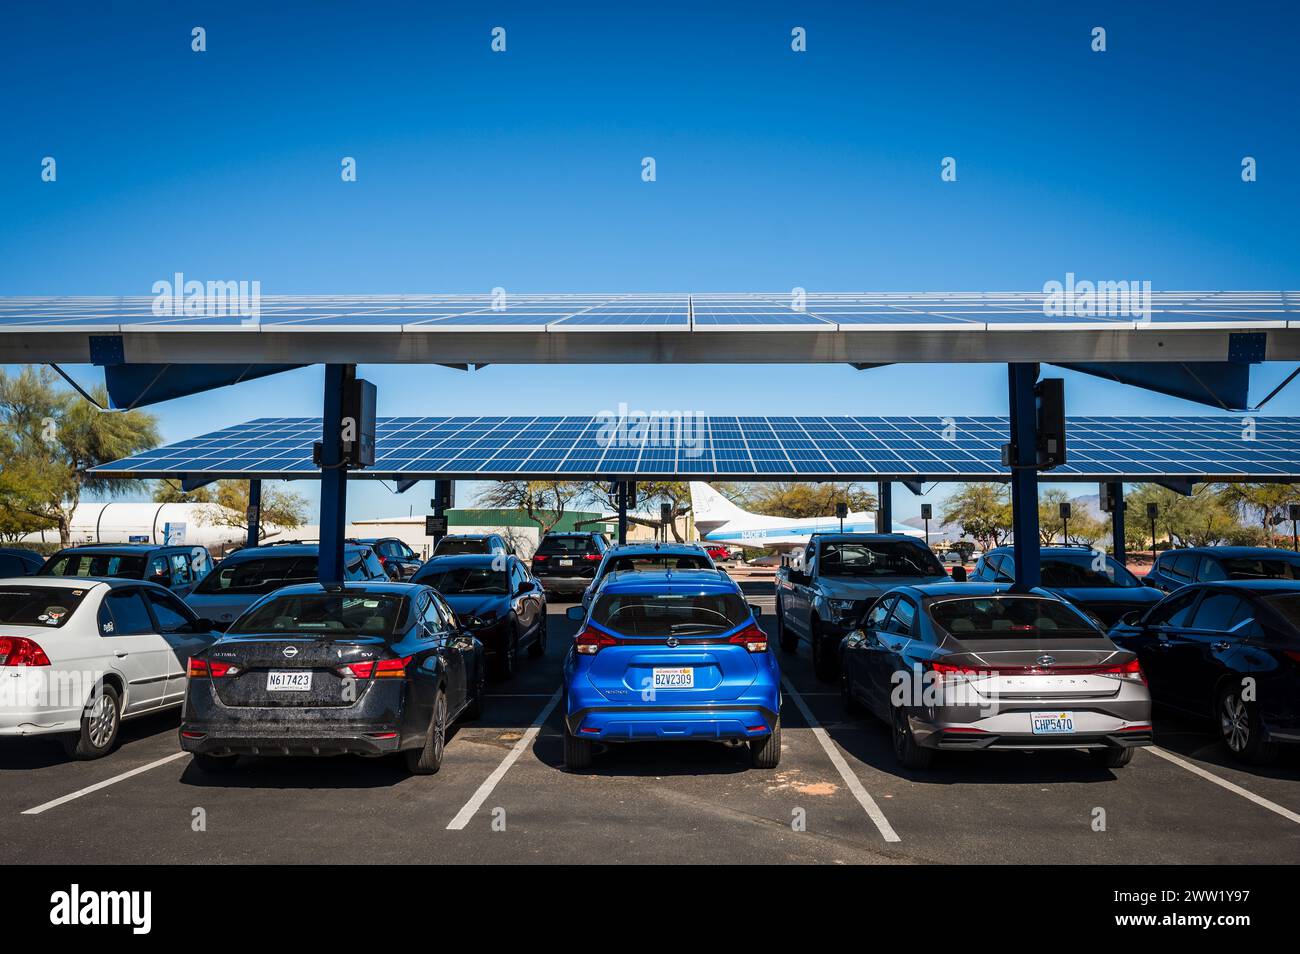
817	448
980	311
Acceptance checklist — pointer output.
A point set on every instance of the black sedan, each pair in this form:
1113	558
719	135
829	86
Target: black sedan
366	668
1096	583
497	599
1230	651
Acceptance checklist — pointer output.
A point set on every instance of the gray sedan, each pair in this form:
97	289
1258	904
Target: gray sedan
977	666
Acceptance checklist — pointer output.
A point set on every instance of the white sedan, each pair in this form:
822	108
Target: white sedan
77	656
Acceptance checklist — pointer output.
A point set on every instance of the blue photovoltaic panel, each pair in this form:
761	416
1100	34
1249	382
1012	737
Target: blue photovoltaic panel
753	447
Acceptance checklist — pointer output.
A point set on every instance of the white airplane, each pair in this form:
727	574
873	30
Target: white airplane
717	518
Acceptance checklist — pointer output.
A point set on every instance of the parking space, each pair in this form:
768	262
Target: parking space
502	796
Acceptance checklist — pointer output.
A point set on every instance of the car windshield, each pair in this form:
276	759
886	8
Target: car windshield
372	614
50	606
258	576
658	561
452	580
449	547
127	565
1262	568
885	558
670	614
1009	617
1070	570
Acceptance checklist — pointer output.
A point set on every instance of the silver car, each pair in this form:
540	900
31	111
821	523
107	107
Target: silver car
955	666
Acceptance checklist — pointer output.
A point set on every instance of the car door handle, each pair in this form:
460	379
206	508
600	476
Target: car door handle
121	654
1221	647
895	647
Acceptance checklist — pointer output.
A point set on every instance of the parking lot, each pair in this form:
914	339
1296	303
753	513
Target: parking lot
502	796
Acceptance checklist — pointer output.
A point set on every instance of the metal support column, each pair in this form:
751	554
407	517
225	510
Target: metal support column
254	515
1116	495
1024	473
884	507
622	512
333	476
441	504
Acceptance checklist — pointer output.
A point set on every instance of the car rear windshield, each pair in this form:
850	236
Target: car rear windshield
453	580
50	606
1288	604
670	614
578	544
886	558
1085	570
369	614
449	547
126	565
642	562
258	576
1262	568
1009	617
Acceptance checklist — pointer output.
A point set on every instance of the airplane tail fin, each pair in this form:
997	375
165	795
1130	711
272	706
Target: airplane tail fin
710	507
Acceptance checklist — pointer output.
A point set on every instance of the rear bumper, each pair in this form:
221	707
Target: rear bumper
371	739
653	723
1118	725
565	584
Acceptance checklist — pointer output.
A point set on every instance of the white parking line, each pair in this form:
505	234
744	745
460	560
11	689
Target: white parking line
104	784
861	794
1224	783
479	797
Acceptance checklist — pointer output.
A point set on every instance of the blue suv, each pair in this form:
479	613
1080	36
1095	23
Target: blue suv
670	655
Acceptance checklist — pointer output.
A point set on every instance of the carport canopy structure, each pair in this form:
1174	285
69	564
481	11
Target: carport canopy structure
1198	345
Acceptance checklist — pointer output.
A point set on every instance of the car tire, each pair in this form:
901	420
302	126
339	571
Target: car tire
906	751
577	752
214	764
788	641
427	759
1241	728
825	657
1112	757
538	648
507	663
848	701
765	753
474	708
100	721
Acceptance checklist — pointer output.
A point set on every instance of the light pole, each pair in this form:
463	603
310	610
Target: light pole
1065	524
1153	511
841	511
1293	511
926	512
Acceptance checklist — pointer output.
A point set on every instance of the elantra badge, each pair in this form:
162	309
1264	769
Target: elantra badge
1045	660
289	651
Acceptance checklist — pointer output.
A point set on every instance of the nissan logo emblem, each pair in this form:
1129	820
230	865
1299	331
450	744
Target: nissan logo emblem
1045	660
289	651
673	641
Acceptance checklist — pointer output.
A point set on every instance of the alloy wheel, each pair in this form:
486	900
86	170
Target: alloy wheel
103	721
1234	722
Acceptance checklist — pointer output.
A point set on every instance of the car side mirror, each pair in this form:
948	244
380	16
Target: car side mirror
959	574
576	613
856	637
522	589
1131	618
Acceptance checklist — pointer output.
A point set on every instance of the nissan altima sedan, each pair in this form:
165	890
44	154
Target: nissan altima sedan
981	667
365	668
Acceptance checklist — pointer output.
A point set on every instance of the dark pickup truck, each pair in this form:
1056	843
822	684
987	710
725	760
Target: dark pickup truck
822	601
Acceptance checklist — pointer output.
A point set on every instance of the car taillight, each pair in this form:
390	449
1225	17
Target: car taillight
591	641
591	557
752	638
203	668
383	669
21	651
943	671
1131	670
539	558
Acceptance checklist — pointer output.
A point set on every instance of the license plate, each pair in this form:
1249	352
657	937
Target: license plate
289	681
1052	723
675	677
566	563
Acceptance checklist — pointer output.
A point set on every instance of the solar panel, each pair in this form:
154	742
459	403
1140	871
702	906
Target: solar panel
749	447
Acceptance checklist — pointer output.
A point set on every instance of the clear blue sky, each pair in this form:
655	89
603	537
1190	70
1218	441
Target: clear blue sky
522	169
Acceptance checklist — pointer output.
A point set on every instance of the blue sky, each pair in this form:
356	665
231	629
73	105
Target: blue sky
522	169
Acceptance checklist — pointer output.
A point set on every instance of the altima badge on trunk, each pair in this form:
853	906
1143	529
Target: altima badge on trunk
1045	660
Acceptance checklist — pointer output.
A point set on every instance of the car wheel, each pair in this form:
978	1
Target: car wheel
825	659
507	663
848	701
787	640
1112	757
1241	729
100	720
577	752
474	708
765	753
214	764
428	759
538	648
909	754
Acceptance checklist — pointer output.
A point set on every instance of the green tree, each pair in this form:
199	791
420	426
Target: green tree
650	494
54	436
800	499
1083	527
1201	519
1266	505
228	505
544	501
982	510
